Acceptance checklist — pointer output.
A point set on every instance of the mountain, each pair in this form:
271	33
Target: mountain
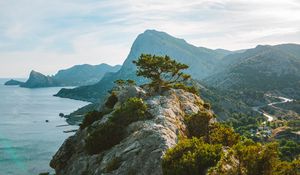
130	146
203	62
78	75
273	69
13	82
37	80
85	74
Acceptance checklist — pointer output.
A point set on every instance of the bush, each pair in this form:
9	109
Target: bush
190	89
257	158
289	149
112	100
190	157
132	110
287	168
111	132
198	124
104	137
207	106
222	134
90	118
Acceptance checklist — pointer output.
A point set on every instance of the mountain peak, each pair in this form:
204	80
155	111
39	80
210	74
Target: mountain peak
161	131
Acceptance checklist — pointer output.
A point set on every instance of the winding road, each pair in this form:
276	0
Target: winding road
271	117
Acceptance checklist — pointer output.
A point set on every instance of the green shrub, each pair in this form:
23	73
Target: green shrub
222	134
104	137
90	118
289	149
111	132
132	110
112	100
207	106
198	124
190	89
190	157
287	168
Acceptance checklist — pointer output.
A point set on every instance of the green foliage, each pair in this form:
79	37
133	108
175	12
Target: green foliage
190	157
111	132
289	150
113	165
90	118
132	110
222	134
163	71
190	89
287	168
207	106
104	137
243	124
112	100
123	83
256	159
198	124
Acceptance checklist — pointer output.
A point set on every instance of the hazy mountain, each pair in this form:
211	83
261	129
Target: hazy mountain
37	79
78	75
203	62
13	82
264	68
86	74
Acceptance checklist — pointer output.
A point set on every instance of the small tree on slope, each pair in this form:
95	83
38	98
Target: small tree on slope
163	71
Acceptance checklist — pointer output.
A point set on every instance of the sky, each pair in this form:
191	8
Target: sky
48	35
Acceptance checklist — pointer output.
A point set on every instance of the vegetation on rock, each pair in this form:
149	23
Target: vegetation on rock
90	118
191	156
163	72
111	132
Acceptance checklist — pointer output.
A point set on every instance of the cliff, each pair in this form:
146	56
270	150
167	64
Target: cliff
143	141
37	80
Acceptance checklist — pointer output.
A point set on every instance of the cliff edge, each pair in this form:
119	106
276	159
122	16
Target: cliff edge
142	142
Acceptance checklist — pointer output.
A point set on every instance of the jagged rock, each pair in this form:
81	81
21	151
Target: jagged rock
131	91
37	80
141	151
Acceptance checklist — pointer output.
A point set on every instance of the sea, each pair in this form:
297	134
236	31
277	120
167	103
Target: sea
27	141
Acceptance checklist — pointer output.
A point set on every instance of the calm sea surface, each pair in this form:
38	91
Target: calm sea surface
27	142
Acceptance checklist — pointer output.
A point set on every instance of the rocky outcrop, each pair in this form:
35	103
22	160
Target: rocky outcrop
145	141
37	80
13	82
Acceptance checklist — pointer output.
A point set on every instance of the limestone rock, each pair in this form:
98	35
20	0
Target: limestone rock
141	151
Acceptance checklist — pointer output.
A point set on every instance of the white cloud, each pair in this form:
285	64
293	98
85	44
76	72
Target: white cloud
68	32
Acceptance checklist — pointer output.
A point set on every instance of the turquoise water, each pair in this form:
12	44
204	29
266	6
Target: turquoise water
27	142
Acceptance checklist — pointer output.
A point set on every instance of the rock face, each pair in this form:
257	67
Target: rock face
13	82
146	141
37	80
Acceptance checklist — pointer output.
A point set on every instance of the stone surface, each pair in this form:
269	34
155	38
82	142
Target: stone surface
140	152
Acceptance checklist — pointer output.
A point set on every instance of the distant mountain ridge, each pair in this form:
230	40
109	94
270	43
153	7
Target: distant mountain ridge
202	61
232	81
264	68
78	75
